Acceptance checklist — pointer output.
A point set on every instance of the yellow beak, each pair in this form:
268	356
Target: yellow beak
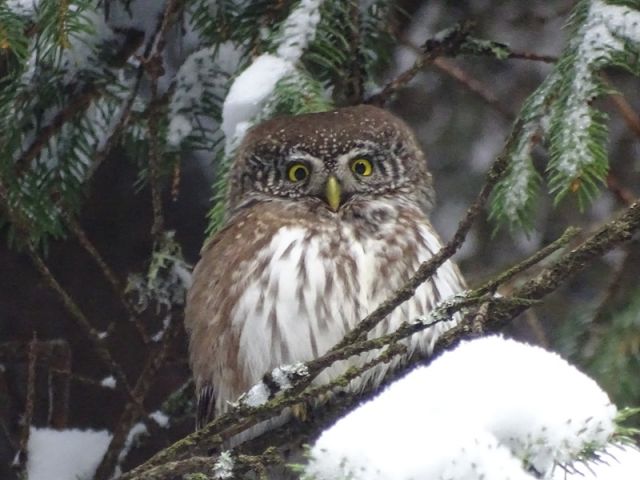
333	193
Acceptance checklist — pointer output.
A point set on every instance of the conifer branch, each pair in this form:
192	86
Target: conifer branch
447	43
133	411
76	107
473	85
429	267
81	320
501	310
32	358
109	275
74	310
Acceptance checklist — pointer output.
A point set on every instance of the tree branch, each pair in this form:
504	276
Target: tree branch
107	273
501	310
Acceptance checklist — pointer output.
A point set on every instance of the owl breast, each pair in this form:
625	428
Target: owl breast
307	284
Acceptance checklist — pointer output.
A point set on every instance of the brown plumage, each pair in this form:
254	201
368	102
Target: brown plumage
327	217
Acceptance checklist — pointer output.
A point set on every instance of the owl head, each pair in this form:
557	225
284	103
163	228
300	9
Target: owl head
330	160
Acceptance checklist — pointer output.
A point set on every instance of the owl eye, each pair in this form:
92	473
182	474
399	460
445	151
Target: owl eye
362	166
298	172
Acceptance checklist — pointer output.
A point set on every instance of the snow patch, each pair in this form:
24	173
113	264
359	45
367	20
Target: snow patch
256	396
108	382
82	51
160	418
249	93
223	468
179	128
65	454
299	29
284	374
26	8
252	89
133	437
488	409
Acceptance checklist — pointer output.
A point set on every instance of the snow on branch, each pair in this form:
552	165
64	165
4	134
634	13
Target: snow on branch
257	83
560	111
492	408
299	29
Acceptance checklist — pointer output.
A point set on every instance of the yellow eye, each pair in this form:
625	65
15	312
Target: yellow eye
298	172
362	166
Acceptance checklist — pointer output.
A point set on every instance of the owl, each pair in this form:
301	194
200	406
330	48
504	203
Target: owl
327	217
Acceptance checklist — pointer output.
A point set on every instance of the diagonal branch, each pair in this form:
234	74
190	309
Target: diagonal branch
107	273
501	311
612	234
156	359
428	268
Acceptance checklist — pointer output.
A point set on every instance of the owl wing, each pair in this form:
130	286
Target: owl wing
206	318
219	280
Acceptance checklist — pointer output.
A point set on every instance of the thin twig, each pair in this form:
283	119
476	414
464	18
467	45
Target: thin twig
30	400
81	320
448	44
107	273
631	118
59	383
78	105
355	77
534	57
131	414
473	85
491	286
612	234
153	64
116	131
429	267
501	311
621	193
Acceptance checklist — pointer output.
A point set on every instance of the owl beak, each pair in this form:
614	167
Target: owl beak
333	193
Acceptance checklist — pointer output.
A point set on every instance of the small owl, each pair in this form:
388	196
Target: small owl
327	217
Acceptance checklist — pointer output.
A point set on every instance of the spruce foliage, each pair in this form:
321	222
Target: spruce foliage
561	112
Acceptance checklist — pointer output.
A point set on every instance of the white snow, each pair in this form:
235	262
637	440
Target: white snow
205	73
81	53
603	34
133	436
161	418
223	468
299	29
65	454
22	7
252	89
108	382
487	409
179	128
284	374
249	93
256	396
